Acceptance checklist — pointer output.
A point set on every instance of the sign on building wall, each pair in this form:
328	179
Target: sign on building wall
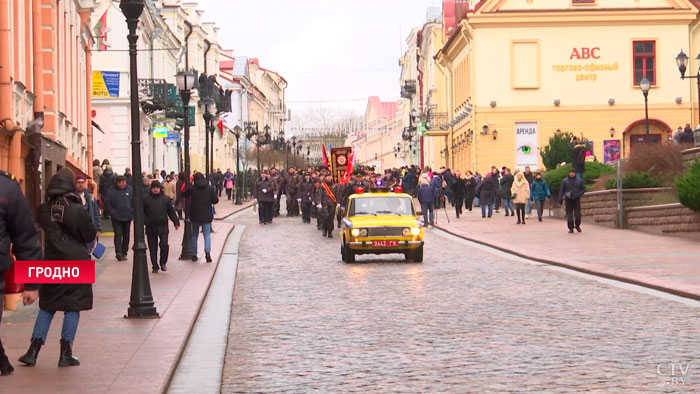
526	150
105	84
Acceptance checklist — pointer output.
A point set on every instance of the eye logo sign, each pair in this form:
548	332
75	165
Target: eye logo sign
525	149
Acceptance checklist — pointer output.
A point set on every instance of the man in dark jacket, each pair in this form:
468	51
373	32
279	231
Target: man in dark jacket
157	208
67	228
459	191
306	196
686	137
16	228
120	208
202	197
426	197
106	184
487	191
409	181
265	192
328	205
578	156
291	190
179	188
571	191
219	181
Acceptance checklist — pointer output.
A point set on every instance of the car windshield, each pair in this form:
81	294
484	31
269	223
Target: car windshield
381	206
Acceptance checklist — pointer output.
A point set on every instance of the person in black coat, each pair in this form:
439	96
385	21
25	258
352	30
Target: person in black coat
459	190
202	198
505	193
571	191
265	193
307	188
120	208
470	184
67	228
107	182
487	192
16	228
578	156
157	208
179	188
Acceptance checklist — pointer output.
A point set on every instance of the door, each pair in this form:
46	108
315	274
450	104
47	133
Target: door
636	139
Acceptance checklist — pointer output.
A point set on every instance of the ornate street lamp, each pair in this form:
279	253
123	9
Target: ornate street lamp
141	303
682	62
208	106
186	81
644	85
237	133
308	155
261	140
251	130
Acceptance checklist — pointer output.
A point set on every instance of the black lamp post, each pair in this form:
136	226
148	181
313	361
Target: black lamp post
299	148
308	155
251	130
682	62
185	82
262	141
645	85
237	133
206	103
141	303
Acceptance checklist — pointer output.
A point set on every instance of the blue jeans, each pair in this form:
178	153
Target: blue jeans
476	202
206	229
483	210
428	207
43	323
508	204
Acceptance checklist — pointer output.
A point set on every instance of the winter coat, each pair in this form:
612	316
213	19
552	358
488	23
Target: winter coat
306	191
409	181
265	190
530	177
487	190
93	210
202	196
470	185
521	190
106	182
686	137
120	204
179	188
326	200
459	188
157	208
436	184
539	190
571	189
425	194
16	227
506	184
578	153
67	229
169	190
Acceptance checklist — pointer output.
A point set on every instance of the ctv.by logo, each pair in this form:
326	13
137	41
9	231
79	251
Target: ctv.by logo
675	373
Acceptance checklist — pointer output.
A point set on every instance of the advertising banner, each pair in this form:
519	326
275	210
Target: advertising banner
611	151
526	149
105	84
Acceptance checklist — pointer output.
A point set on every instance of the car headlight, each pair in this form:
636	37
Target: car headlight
415	230
355	232
363	232
406	232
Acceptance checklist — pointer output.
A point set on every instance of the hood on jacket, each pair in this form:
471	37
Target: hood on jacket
199	181
423	178
60	184
108	171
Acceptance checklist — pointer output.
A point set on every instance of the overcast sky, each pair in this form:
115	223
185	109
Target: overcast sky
330	51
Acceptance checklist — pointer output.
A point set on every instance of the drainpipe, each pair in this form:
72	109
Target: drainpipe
84	21
6	95
187	45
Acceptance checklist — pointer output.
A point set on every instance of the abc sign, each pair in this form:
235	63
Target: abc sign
585	53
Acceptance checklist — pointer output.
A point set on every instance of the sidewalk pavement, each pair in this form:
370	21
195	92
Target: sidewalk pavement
226	207
119	355
656	261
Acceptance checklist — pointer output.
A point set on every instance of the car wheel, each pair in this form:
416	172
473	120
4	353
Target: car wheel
349	255
417	255
342	252
407	256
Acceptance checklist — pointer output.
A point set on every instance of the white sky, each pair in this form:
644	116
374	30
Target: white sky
328	50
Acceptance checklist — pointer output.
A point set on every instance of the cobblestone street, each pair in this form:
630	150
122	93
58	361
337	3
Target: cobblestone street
464	320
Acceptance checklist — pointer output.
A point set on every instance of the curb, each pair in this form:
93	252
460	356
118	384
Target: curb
190	328
243	208
572	267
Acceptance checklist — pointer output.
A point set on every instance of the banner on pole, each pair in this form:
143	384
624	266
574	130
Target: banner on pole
526	149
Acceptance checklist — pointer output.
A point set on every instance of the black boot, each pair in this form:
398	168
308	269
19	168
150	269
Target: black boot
5	366
67	359
208	258
29	358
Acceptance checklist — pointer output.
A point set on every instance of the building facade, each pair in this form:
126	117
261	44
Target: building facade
519	71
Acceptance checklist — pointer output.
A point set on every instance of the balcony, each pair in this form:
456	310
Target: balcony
437	120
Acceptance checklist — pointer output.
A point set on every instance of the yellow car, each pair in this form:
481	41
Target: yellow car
381	222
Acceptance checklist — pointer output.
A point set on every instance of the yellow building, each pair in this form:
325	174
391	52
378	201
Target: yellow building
519	70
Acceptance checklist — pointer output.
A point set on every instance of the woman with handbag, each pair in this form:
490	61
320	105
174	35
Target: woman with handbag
521	195
67	229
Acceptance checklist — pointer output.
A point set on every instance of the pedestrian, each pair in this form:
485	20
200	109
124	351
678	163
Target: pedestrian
67	229
571	191
290	188
426	198
505	192
90	206
487	191
459	191
328	205
219	181
477	178
228	183
107	181
686	137
129	177
306	196
202	199
179	188
409	181
16	230
438	186
277	179
539	191
157	208
120	208
96	171
470	184
169	188
265	196
530	178
578	156
520	195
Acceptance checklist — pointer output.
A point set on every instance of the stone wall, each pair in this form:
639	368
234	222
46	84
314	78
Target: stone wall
600	207
674	219
690	155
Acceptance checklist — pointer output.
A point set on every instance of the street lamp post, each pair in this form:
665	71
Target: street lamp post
645	85
251	130
206	104
141	303
237	134
682	62
264	141
185	82
308	155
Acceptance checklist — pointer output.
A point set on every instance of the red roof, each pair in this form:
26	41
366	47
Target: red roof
384	109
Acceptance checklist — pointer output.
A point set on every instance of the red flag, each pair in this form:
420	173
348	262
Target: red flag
349	168
220	126
325	156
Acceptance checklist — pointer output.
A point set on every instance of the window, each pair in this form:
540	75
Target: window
644	61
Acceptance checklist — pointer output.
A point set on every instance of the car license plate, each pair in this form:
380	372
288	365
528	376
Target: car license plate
385	243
